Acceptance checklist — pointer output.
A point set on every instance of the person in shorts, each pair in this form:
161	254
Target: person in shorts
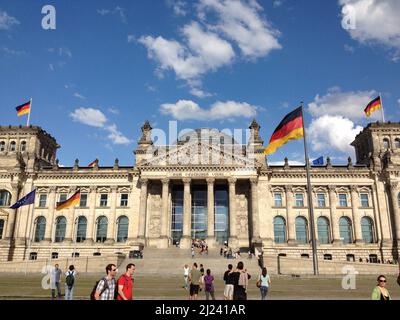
228	278
194	278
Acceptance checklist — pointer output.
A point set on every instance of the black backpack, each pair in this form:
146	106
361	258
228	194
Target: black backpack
92	294
70	279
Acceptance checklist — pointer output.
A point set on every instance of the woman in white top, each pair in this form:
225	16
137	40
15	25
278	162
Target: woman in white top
265	282
186	271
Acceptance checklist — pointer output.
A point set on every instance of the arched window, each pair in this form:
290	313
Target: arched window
323	230
61	226
2	146
23	146
386	144
12	146
367	229
5	198
81	229
301	230
345	230
1	228
102	224
123	224
40	229
279	230
397	143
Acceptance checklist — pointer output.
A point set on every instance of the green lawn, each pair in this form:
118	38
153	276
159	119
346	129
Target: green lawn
164	287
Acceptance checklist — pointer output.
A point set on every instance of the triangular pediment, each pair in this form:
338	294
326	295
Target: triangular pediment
200	153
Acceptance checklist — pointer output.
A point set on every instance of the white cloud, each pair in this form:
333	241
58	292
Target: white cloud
95	118
12	52
189	110
348	104
376	22
131	38
118	11
277	3
398	101
207	47
79	96
6	21
51	67
178	6
205	51
332	133
281	163
113	110
241	22
89	116
116	136
349	48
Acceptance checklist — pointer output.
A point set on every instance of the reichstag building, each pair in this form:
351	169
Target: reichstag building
205	186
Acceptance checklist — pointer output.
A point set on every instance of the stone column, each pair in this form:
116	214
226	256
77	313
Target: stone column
255	237
143	209
70	230
12	212
291	218
90	236
394	190
211	212
334	223
233	237
48	235
164	212
187	215
355	215
112	221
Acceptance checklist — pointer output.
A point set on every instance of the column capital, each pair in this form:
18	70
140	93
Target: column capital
53	189
143	182
165	181
232	180
210	180
93	189
288	188
186	181
114	188
331	188
353	188
394	186
253	181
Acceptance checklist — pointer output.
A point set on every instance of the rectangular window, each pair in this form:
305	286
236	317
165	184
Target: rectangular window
364	200
63	197
321	200
278	199
42	200
103	200
342	200
299	200
83	202
124	200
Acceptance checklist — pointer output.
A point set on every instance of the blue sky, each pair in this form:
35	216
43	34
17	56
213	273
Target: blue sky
110	65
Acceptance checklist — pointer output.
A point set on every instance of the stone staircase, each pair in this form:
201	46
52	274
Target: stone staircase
171	261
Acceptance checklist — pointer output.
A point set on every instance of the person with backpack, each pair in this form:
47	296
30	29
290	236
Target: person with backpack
70	283
125	283
228	278
106	287
240	282
263	282
209	285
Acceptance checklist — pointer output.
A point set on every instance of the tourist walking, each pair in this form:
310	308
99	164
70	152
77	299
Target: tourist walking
209	285
186	271
125	283
240	282
106	287
70	283
380	292
192	251
263	282
55	279
228	278
194	279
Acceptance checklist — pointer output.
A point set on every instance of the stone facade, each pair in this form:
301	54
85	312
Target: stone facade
158	201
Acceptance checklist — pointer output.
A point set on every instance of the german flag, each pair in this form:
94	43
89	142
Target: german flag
23	109
290	128
375	104
71	202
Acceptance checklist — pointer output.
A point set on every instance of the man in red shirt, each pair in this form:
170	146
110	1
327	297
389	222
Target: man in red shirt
125	283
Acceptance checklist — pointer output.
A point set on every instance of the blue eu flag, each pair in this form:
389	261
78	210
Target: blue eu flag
28	199
319	161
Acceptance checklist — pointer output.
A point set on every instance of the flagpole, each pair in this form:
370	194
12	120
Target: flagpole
382	111
29	236
29	114
310	202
